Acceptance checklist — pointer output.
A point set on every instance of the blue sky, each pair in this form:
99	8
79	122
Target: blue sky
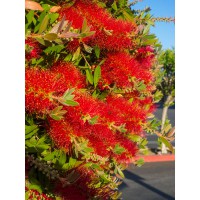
163	30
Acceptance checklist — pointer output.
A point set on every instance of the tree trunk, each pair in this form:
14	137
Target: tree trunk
167	103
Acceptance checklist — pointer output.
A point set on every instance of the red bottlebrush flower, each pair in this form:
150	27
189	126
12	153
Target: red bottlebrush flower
60	132
73	45
145	57
35	49
73	77
114	69
40	84
38	103
72	14
120	66
130	113
111	34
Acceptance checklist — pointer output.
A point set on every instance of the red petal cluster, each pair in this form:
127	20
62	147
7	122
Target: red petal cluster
42	84
120	67
111	34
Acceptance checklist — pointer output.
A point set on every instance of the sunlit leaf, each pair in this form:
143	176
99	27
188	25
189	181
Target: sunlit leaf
44	24
32	5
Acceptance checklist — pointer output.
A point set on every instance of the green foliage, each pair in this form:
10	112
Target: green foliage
167	61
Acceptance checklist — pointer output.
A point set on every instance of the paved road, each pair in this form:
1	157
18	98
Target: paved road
153	181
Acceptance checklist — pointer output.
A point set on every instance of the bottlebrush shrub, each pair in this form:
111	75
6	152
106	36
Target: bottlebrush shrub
90	81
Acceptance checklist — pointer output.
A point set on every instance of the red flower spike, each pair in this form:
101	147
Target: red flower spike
111	34
73	77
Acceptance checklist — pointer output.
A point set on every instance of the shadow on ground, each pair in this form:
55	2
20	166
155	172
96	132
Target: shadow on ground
154	181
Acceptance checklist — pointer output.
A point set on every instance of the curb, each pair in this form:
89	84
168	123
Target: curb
157	158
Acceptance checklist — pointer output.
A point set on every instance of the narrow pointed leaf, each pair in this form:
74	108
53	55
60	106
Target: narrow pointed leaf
87	48
84	26
51	36
76	54
97	75
44	24
89	76
97	51
61	24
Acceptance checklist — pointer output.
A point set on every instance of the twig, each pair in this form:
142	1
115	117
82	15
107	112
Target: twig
134	2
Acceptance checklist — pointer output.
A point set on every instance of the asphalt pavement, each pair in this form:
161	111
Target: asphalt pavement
152	181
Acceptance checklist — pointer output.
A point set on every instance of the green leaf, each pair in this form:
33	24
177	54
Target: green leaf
41	140
26	195
97	51
147	37
141	86
118	149
97	75
87	34
95	94
71	164
68	58
29	129
167	128
72	161
29	133
50	36
101	62
135	138
71	103
120	172
130	100
62	159
146	29
140	162
53	17
93	120
54	49
158	96
114	6
57	113
44	24
89	76
67	94
87	48
56	117
84	26
76	54
144	142
36	187
167	143
50	156
88	150
122	3
44	42
42	147
30	16
127	16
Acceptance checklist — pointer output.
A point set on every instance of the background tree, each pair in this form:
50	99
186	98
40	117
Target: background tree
167	87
